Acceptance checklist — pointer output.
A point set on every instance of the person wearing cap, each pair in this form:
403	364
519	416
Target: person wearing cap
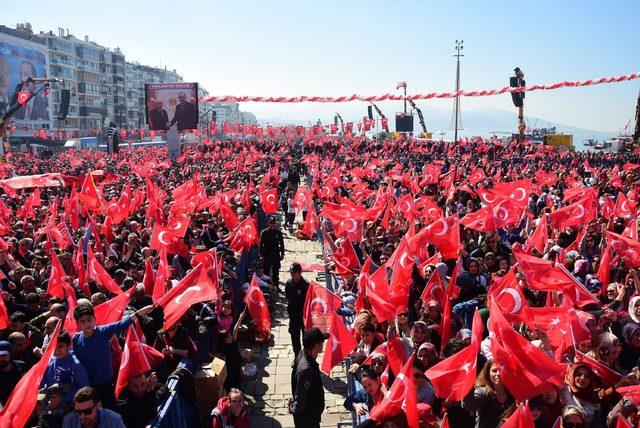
272	250
10	371
307	404
295	291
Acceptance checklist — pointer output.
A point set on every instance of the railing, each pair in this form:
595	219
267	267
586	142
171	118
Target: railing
332	283
176	412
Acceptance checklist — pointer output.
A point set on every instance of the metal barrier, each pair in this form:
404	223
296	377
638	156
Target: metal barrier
176	412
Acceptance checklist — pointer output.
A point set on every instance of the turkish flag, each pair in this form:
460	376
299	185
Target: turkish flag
70	324
477	176
17	411
608	376
509	297
257	306
113	309
339	345
434	290
320	307
604	268
57	278
407	207
453	377
149	277
133	363
377	292
520	383
626	248
521	418
209	260
577	214
579	192
393	349
163	274
536	361
545	275
346	255
89	195
161	237
401	396
269	200
179	225
494	216
311	223
608	206
228	216
244	236
303	198
79	267
60	233
444	233
624	206
194	288
120	210
98	273
563	327
539	237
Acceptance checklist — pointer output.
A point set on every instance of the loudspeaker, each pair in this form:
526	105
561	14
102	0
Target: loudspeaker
370	112
65	96
517	97
404	123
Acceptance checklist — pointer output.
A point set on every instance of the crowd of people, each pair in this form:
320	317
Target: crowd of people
478	284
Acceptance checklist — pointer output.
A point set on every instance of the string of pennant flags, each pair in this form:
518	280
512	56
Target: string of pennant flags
426	96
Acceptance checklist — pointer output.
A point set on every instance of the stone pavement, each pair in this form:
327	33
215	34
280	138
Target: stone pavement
269	392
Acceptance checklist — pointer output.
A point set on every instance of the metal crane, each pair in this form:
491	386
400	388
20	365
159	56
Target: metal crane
420	117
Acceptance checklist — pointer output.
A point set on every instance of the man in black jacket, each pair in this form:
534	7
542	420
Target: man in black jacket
138	402
295	291
307	404
272	250
186	114
158	117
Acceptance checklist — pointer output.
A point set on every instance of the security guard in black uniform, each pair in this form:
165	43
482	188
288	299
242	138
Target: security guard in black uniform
307	404
272	250
295	290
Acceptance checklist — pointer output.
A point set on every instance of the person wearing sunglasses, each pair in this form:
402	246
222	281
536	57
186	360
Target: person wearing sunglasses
89	413
572	417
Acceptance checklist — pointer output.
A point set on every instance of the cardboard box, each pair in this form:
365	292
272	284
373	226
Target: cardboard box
211	377
209	383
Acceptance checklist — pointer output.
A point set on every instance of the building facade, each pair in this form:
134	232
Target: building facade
136	75
104	87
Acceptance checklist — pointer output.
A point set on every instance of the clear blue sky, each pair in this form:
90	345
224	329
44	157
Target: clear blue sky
343	47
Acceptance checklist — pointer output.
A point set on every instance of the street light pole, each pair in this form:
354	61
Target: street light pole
458	48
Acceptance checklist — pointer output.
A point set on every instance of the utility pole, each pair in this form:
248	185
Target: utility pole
458	48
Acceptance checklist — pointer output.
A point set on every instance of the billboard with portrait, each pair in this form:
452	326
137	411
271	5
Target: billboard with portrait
17	64
171	106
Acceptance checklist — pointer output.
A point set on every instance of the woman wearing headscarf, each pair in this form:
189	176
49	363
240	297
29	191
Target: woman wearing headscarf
607	350
489	399
631	345
432	317
428	354
580	391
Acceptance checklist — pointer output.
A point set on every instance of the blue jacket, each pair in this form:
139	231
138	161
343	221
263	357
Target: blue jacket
67	371
95	353
106	419
360	397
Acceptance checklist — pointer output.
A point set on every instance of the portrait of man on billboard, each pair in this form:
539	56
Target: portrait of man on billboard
172	106
186	115
158	116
